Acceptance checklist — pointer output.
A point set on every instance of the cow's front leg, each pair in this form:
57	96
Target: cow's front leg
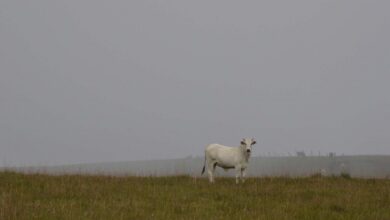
238	171
243	174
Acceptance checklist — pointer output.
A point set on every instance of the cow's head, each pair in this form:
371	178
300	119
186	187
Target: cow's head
247	144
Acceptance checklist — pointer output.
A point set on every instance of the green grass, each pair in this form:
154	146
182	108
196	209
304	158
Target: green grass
38	196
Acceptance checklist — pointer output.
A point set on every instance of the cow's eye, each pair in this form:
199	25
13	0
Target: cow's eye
243	143
254	142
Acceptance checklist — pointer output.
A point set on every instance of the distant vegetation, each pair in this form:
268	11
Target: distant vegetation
355	166
39	196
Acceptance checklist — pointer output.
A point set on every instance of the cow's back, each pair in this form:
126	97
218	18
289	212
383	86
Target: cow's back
213	150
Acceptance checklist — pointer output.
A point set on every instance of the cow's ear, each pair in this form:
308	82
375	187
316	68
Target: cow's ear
254	142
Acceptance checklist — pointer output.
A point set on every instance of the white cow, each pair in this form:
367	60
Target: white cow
228	158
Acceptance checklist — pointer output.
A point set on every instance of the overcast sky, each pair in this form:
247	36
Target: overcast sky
91	81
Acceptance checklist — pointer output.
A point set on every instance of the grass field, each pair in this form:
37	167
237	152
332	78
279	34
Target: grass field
37	196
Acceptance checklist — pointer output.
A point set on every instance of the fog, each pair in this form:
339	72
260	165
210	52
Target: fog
287	166
92	81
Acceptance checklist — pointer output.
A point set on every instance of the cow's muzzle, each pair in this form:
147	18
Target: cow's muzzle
248	151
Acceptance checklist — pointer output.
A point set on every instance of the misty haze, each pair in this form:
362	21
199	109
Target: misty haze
142	87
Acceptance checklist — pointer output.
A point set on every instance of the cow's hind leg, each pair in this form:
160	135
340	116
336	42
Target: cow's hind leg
210	170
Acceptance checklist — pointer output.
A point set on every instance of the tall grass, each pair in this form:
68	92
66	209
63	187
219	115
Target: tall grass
37	196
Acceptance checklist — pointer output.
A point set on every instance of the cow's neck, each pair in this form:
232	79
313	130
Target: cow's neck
244	154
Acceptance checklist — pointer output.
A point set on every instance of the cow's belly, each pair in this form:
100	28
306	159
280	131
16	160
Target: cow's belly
225	166
228	162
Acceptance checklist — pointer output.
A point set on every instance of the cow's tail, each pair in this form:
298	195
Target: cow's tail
204	164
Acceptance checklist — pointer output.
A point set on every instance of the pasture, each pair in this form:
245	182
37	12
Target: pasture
39	196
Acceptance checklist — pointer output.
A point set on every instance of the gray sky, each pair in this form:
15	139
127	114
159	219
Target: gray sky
90	81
